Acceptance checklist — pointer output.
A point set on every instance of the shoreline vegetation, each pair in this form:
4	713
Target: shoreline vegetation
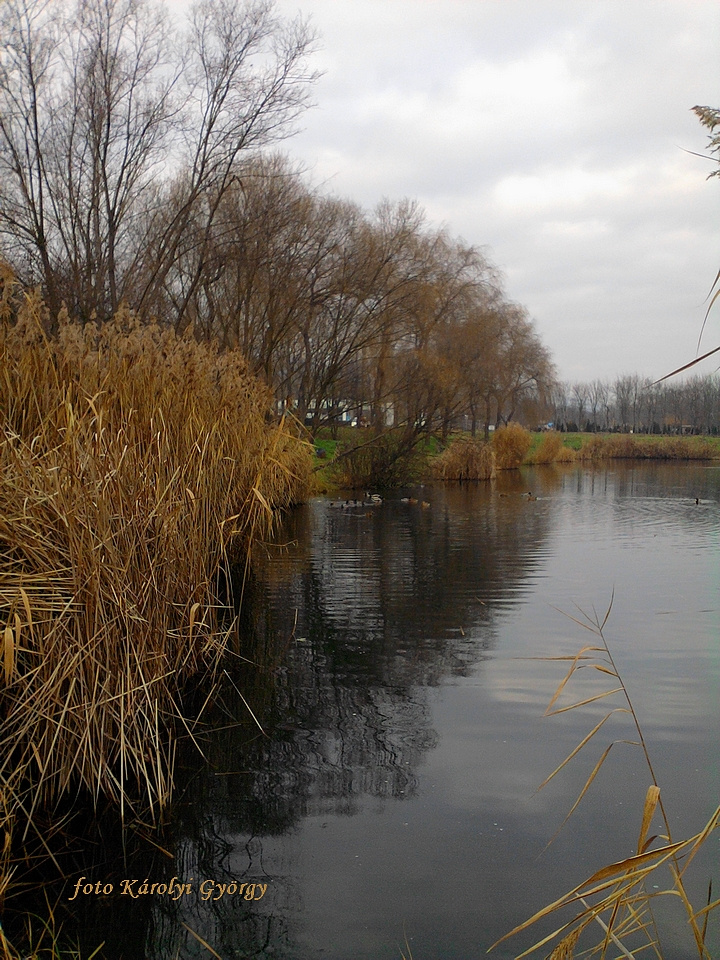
135	465
466	458
137	462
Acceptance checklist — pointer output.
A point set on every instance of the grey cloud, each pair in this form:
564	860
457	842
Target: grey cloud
589	103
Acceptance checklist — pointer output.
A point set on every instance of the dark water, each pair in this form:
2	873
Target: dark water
393	790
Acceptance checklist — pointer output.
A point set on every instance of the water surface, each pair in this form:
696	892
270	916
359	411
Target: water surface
392	791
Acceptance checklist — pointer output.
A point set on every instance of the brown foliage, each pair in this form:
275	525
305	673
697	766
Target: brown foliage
552	450
624	446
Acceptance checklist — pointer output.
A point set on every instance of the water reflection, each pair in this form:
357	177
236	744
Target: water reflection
388	724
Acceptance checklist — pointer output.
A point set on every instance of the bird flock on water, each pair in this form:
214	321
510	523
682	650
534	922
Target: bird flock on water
374	500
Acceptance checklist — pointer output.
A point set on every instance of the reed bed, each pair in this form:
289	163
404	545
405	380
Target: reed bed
623	446
511	444
552	449
466	458
133	464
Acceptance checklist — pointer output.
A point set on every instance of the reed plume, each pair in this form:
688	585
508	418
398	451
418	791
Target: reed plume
133	464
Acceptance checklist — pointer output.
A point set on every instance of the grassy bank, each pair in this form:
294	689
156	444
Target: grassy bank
620	446
466	458
133	464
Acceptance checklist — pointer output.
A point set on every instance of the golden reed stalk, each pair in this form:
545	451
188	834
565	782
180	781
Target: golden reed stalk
132	464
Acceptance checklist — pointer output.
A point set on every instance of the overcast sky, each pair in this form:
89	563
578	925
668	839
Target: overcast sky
552	134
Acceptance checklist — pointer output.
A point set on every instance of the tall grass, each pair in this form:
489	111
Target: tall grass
133	463
551	449
466	458
511	444
623	446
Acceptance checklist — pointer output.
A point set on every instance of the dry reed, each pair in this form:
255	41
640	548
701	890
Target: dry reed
465	458
624	446
43	939
551	449
511	444
616	897
132	463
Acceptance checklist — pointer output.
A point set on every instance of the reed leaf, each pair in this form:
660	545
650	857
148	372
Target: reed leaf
586	787
8	653
585	702
574	752
651	801
618	890
576	661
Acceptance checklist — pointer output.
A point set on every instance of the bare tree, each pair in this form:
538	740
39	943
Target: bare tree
244	83
524	365
85	117
623	400
581	394
97	103
598	397
560	402
28	67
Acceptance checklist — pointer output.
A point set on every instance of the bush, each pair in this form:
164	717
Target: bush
380	462
465	459
592	449
510	445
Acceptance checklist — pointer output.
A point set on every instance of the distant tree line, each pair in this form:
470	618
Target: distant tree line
633	404
134	168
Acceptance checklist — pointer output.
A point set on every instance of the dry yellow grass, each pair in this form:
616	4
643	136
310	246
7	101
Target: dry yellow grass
465	459
132	463
624	446
551	449
511	444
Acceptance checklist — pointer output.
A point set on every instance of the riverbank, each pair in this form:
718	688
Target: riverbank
468	458
628	446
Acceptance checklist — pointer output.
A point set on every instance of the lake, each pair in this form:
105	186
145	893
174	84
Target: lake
384	791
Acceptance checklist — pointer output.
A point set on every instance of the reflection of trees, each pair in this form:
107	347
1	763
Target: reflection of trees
368	606
232	926
349	626
343	631
384	592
